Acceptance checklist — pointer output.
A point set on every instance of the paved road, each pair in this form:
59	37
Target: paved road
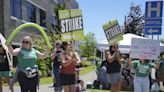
89	77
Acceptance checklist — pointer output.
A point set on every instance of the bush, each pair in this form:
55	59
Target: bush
86	63
91	58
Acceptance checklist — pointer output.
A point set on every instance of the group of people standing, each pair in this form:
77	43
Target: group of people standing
142	68
64	64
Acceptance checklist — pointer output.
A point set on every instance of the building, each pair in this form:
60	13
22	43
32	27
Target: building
16	12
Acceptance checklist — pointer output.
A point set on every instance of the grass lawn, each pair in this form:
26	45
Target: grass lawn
46	80
87	69
96	90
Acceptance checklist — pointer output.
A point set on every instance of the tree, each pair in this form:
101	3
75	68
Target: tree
134	21
57	35
87	47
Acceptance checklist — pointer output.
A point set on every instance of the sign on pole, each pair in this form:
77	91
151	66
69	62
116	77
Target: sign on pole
112	31
71	23
145	49
153	17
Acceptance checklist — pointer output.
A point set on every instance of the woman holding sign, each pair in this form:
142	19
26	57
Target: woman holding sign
27	69
141	79
4	68
113	67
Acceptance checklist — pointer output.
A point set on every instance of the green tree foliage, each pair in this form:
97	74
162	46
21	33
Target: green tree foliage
45	64
57	26
134	21
87	47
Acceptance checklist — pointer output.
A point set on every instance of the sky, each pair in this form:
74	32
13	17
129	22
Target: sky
99	12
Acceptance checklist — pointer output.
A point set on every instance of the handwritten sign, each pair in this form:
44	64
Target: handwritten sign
145	48
9	56
3	41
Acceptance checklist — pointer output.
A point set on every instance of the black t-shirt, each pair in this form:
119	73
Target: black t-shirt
57	60
113	67
4	64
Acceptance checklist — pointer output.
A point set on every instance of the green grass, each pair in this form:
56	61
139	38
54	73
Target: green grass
46	80
87	69
96	90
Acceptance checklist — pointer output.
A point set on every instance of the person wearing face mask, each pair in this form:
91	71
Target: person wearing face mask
27	74
55	57
113	67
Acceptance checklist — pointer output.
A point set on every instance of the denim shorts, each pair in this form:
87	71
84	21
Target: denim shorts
114	77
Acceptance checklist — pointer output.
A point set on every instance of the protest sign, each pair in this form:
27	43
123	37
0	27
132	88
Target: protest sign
71	23
144	49
112	31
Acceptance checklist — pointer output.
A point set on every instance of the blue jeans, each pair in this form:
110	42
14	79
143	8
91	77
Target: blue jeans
57	79
141	84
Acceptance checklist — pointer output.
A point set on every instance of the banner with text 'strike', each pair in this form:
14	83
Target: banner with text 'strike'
112	31
71	24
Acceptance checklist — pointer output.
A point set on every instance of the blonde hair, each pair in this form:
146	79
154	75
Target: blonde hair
29	39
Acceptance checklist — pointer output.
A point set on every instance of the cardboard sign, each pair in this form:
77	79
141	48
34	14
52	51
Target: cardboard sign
112	31
71	23
9	56
145	49
3	42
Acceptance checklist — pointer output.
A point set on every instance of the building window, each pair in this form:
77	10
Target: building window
42	18
53	22
16	8
31	12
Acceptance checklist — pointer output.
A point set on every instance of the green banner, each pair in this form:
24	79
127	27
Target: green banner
71	23
110	24
112	31
76	35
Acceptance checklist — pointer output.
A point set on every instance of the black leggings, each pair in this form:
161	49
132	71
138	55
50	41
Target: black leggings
27	84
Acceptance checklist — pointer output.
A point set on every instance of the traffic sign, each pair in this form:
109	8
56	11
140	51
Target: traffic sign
153	17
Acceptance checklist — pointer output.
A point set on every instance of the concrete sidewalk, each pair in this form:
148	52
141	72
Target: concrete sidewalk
42	88
89	77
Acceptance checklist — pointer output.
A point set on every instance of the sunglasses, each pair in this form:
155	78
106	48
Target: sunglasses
25	42
69	44
57	44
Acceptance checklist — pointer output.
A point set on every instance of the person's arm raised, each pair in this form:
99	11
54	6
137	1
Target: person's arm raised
43	55
76	58
110	58
65	62
12	51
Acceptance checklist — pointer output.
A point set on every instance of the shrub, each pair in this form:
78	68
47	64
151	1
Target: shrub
86	63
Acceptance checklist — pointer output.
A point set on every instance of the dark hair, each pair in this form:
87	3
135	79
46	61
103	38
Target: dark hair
110	48
162	53
64	44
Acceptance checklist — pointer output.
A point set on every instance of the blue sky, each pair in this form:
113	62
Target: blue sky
98	12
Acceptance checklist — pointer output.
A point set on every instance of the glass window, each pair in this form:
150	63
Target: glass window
16	8
42	18
53	22
31	12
